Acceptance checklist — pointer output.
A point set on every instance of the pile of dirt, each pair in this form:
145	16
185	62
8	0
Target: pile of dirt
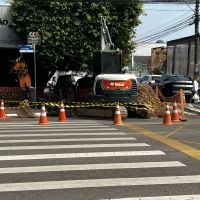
148	97
24	110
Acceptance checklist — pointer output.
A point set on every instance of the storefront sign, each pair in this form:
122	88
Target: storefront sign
3	21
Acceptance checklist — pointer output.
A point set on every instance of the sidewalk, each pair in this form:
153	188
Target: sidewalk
12	112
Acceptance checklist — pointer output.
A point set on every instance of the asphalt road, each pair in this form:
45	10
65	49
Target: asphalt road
85	159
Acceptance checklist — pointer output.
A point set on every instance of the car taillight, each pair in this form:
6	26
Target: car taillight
107	84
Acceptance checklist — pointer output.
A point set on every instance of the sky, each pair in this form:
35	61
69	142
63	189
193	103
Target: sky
160	19
3	2
163	19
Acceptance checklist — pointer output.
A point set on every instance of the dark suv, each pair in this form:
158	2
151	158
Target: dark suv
170	84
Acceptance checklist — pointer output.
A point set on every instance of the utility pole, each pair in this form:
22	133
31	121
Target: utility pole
196	56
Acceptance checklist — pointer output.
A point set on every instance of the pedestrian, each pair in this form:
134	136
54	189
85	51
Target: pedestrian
195	92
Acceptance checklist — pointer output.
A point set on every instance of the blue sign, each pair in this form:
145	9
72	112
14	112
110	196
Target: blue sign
26	49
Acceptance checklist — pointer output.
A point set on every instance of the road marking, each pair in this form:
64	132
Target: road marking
74	122
180	197
55	127
81	155
195	153
67	140
106	166
57	130
76	146
189	113
175	131
69	184
50	125
60	134
189	142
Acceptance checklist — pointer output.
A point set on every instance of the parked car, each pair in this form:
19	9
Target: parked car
170	84
151	79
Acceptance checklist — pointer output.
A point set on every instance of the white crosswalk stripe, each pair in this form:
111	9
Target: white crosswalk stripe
81	155
180	197
59	134
69	184
76	146
46	127
56	129
67	140
90	167
97	142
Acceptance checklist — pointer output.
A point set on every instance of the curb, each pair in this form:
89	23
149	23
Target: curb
15	115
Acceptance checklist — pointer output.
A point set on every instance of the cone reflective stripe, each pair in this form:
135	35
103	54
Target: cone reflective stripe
167	117
43	116
175	114
117	116
62	115
2	111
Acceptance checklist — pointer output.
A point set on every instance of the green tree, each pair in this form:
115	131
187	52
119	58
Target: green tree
71	31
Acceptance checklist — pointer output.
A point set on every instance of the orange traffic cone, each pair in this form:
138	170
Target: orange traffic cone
43	116
117	116
2	111
62	115
175	114
167	118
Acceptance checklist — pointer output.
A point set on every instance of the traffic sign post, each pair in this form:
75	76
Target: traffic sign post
34	39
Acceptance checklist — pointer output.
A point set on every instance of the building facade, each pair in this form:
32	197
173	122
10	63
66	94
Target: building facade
9	42
180	56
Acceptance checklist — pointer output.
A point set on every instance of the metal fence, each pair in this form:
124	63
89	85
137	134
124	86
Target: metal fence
180	56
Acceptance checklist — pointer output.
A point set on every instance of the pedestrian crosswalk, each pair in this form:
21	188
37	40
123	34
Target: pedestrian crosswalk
86	159
90	167
180	197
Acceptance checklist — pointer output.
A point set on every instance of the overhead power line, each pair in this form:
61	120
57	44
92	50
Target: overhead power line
174	25
185	1
167	30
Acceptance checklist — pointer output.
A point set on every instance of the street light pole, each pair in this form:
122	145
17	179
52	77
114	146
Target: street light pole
196	56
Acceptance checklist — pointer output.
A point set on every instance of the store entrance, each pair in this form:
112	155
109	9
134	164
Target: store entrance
7	59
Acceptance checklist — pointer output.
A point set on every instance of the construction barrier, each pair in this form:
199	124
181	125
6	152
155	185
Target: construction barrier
101	109
138	109
179	98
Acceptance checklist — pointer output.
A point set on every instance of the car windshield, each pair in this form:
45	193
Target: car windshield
145	78
156	78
